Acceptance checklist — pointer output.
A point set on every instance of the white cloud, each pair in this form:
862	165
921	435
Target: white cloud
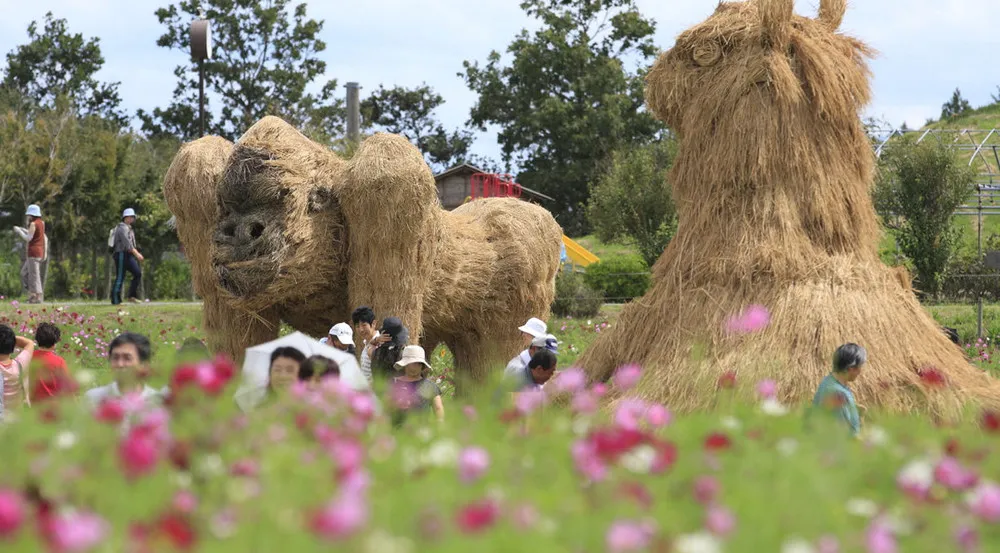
927	47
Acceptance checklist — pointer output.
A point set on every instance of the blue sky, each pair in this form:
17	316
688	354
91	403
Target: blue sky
927	47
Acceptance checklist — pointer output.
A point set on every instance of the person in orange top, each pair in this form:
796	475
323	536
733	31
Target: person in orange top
48	369
38	250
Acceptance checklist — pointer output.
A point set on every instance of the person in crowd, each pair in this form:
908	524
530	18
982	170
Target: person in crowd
413	392
127	259
538	343
341	337
317	368
37	254
14	390
389	349
129	355
364	324
284	370
834	394
952	334
48	368
530	330
539	370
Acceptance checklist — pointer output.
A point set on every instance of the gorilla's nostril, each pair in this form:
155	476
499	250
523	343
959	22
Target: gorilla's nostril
256	230
229	229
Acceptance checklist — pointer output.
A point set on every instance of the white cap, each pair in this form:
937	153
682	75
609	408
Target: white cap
343	333
412	354
129	212
34	211
535	327
546	341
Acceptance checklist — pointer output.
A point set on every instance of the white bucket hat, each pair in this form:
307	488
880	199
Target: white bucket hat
129	212
34	211
343	333
412	354
535	327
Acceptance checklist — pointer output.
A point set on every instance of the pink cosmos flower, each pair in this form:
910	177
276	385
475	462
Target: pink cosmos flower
985	502
472	463
587	461
348	454
751	319
629	412
879	538
524	516
584	403
828	544
341	518
528	401
570	381
138	453
469	412
599	389
767	389
950	473
11	513
967	539
354	482
658	416
720	520
706	489
625	536
627	376
916	478
363	405
185	501
77	532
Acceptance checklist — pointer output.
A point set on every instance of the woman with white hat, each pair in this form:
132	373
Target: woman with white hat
127	259
413	392
38	253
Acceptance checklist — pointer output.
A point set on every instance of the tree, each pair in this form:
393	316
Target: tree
56	64
567	99
956	106
918	189
631	200
996	96
410	112
268	63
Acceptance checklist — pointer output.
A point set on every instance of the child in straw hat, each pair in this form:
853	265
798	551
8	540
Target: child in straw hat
413	392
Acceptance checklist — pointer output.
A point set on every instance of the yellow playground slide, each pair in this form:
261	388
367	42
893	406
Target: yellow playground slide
577	254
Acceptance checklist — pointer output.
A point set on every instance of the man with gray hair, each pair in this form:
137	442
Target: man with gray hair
833	394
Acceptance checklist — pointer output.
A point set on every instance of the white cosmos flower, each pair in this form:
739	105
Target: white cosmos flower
787	446
639	460
859	506
65	439
797	545
773	407
442	453
702	542
731	423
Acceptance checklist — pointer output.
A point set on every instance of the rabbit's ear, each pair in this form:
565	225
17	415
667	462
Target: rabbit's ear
831	13
775	21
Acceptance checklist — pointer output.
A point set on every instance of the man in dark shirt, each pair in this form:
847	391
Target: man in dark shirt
127	258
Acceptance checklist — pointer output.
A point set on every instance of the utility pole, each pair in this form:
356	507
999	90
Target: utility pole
353	112
201	50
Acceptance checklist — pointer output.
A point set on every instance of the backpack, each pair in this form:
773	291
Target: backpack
111	239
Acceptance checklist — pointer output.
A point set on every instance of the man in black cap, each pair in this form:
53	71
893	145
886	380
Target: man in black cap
386	354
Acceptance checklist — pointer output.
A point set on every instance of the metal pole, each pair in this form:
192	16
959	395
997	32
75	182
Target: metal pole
353	112
979	247
201	95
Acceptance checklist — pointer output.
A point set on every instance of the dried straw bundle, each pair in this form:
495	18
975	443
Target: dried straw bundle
282	250
772	187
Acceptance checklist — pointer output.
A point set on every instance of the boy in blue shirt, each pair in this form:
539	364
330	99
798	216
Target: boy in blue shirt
833	394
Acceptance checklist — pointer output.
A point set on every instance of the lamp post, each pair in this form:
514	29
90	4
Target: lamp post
201	50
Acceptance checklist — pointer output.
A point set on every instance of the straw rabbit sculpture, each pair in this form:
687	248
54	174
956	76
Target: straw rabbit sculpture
772	185
281	229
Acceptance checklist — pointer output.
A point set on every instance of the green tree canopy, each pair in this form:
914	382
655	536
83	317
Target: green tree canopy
918	189
266	64
566	97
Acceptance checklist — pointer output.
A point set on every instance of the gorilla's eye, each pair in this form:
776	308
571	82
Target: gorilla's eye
706	53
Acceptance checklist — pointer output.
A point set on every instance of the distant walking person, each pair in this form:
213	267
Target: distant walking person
127	258
37	254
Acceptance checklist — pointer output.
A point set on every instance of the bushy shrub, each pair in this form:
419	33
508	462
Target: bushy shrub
619	278
64	280
574	298
10	269
172	279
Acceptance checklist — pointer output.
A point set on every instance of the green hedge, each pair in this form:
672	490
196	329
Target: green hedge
619	278
574	298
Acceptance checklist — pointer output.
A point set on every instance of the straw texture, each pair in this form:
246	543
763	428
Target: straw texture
772	185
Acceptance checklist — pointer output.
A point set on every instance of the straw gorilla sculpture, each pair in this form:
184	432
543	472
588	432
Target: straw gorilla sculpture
772	188
279	228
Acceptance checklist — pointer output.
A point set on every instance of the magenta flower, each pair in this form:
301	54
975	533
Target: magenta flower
570	381
950	473
77	532
719	520
472	463
341	518
587	461
879	538
706	489
751	319
627	376
626	536
11	513
767	389
658	416
985	502
138	453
